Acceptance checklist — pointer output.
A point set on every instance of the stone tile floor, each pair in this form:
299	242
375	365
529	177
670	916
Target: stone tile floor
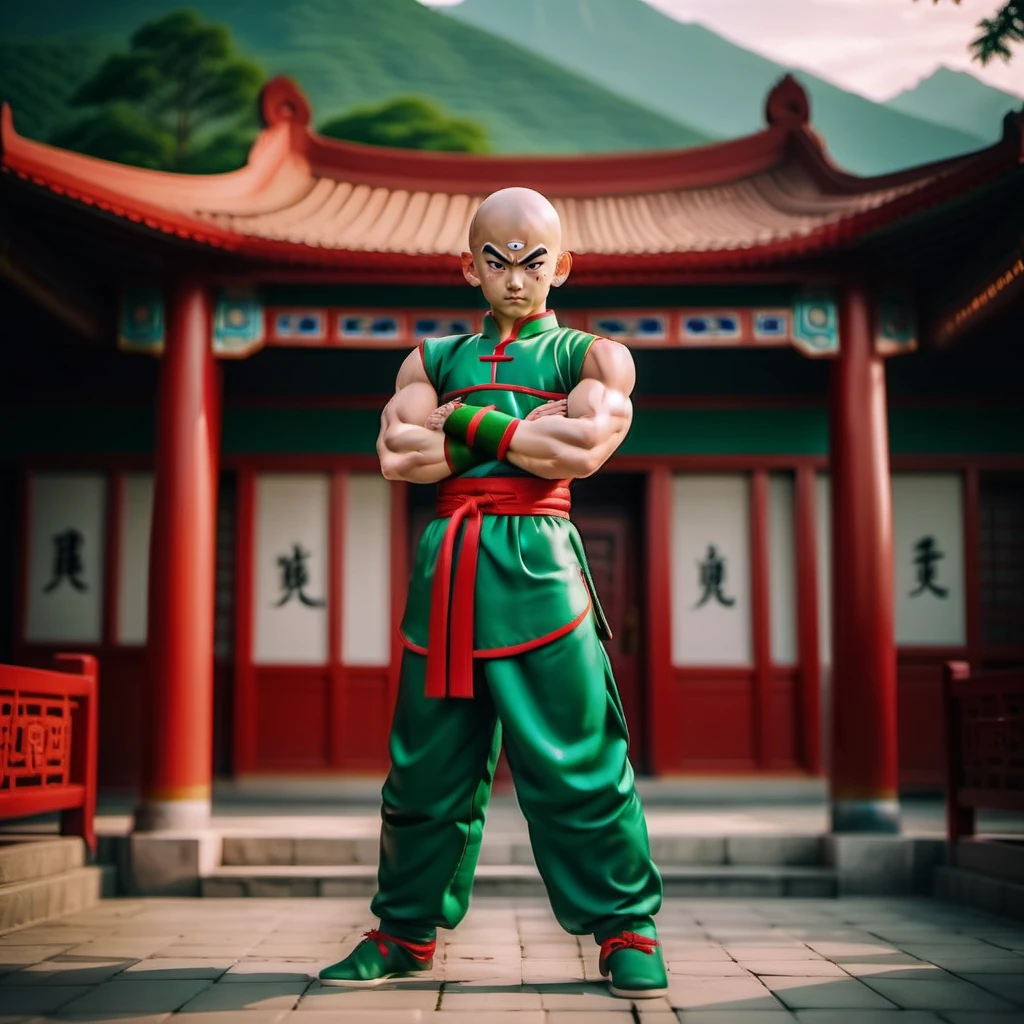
846	961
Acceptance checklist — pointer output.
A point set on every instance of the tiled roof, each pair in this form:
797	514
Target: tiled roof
781	203
302	198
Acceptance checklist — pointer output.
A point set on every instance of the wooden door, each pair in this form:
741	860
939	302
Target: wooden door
608	512
610	545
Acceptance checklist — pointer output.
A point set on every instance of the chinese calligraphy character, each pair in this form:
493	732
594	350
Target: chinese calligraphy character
712	577
295	576
925	560
67	560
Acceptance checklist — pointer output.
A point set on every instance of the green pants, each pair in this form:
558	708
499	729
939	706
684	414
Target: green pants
565	740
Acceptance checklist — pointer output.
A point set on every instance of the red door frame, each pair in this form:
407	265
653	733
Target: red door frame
657	470
663	699
340	677
121	665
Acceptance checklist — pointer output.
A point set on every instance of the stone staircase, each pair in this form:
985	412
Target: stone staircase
749	866
45	877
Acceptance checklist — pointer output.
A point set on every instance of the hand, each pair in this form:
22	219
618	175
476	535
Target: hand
435	421
556	407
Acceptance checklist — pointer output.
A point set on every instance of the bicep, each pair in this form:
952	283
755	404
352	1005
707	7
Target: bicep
415	398
610	363
412	370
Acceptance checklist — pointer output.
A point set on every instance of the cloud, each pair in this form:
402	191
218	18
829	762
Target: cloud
875	47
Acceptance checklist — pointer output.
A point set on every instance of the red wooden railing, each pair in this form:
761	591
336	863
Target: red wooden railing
984	744
48	733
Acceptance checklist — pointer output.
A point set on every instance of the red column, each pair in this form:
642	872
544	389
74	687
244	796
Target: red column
178	757
864	794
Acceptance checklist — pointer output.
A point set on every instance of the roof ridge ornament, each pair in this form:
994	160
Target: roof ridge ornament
787	103
281	99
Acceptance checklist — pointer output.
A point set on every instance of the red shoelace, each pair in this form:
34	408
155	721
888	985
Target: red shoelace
422	951
626	940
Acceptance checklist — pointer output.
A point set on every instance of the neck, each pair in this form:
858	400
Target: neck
506	323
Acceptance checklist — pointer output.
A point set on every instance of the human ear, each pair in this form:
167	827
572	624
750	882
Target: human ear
562	268
469	270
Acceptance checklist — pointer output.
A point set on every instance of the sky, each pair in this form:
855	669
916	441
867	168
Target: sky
874	47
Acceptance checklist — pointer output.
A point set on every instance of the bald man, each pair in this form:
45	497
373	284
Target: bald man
502	629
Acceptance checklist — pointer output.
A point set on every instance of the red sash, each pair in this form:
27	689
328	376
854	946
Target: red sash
468	499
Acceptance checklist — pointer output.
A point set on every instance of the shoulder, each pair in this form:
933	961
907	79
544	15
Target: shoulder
572	346
441	348
611	363
435	354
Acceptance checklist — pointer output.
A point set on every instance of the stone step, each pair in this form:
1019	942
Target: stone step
683	850
516	880
981	891
1000	857
39	899
25	857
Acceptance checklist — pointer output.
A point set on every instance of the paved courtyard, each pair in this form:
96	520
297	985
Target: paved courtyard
847	961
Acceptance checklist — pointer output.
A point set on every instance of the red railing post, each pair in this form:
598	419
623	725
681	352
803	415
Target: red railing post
81	821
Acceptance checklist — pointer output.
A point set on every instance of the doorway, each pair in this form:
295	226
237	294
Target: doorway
608	511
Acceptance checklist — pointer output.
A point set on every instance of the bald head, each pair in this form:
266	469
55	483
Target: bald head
516	253
516	214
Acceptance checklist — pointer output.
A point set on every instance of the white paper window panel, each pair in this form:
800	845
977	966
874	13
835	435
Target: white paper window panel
133	575
291	509
782	596
710	510
823	522
823	538
65	602
366	572
928	549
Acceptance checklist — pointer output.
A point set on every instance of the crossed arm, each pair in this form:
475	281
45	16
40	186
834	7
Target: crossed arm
573	437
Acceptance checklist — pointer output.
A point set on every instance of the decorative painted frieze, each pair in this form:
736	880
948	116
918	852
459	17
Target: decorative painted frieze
141	321
237	323
816	323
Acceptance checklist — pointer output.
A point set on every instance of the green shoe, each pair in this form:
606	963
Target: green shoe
379	958
635	966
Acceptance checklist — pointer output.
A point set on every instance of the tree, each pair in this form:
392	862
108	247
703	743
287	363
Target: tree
408	122
172	101
999	32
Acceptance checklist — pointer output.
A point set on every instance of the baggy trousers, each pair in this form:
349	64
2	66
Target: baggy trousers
565	738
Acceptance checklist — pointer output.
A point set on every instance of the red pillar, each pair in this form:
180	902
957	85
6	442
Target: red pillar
864	795
178	758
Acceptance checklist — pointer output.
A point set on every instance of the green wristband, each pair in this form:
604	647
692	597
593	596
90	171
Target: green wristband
461	457
483	428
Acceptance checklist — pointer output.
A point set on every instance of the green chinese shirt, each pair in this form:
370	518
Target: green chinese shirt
532	577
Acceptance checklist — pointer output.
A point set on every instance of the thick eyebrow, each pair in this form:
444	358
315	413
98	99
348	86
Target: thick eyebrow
488	248
539	251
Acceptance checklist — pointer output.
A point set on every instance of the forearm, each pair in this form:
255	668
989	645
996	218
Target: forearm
414	470
412	453
560	447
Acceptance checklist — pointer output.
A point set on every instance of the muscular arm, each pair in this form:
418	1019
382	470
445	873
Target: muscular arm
599	417
407	449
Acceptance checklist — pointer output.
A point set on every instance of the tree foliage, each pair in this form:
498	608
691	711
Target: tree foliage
171	101
999	32
409	122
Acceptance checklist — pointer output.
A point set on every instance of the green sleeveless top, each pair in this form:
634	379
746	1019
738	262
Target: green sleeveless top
532	577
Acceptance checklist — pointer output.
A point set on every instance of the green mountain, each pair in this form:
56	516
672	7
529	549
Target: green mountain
688	72
348	53
37	78
956	99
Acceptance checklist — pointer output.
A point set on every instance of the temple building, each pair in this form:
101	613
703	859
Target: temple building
820	501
